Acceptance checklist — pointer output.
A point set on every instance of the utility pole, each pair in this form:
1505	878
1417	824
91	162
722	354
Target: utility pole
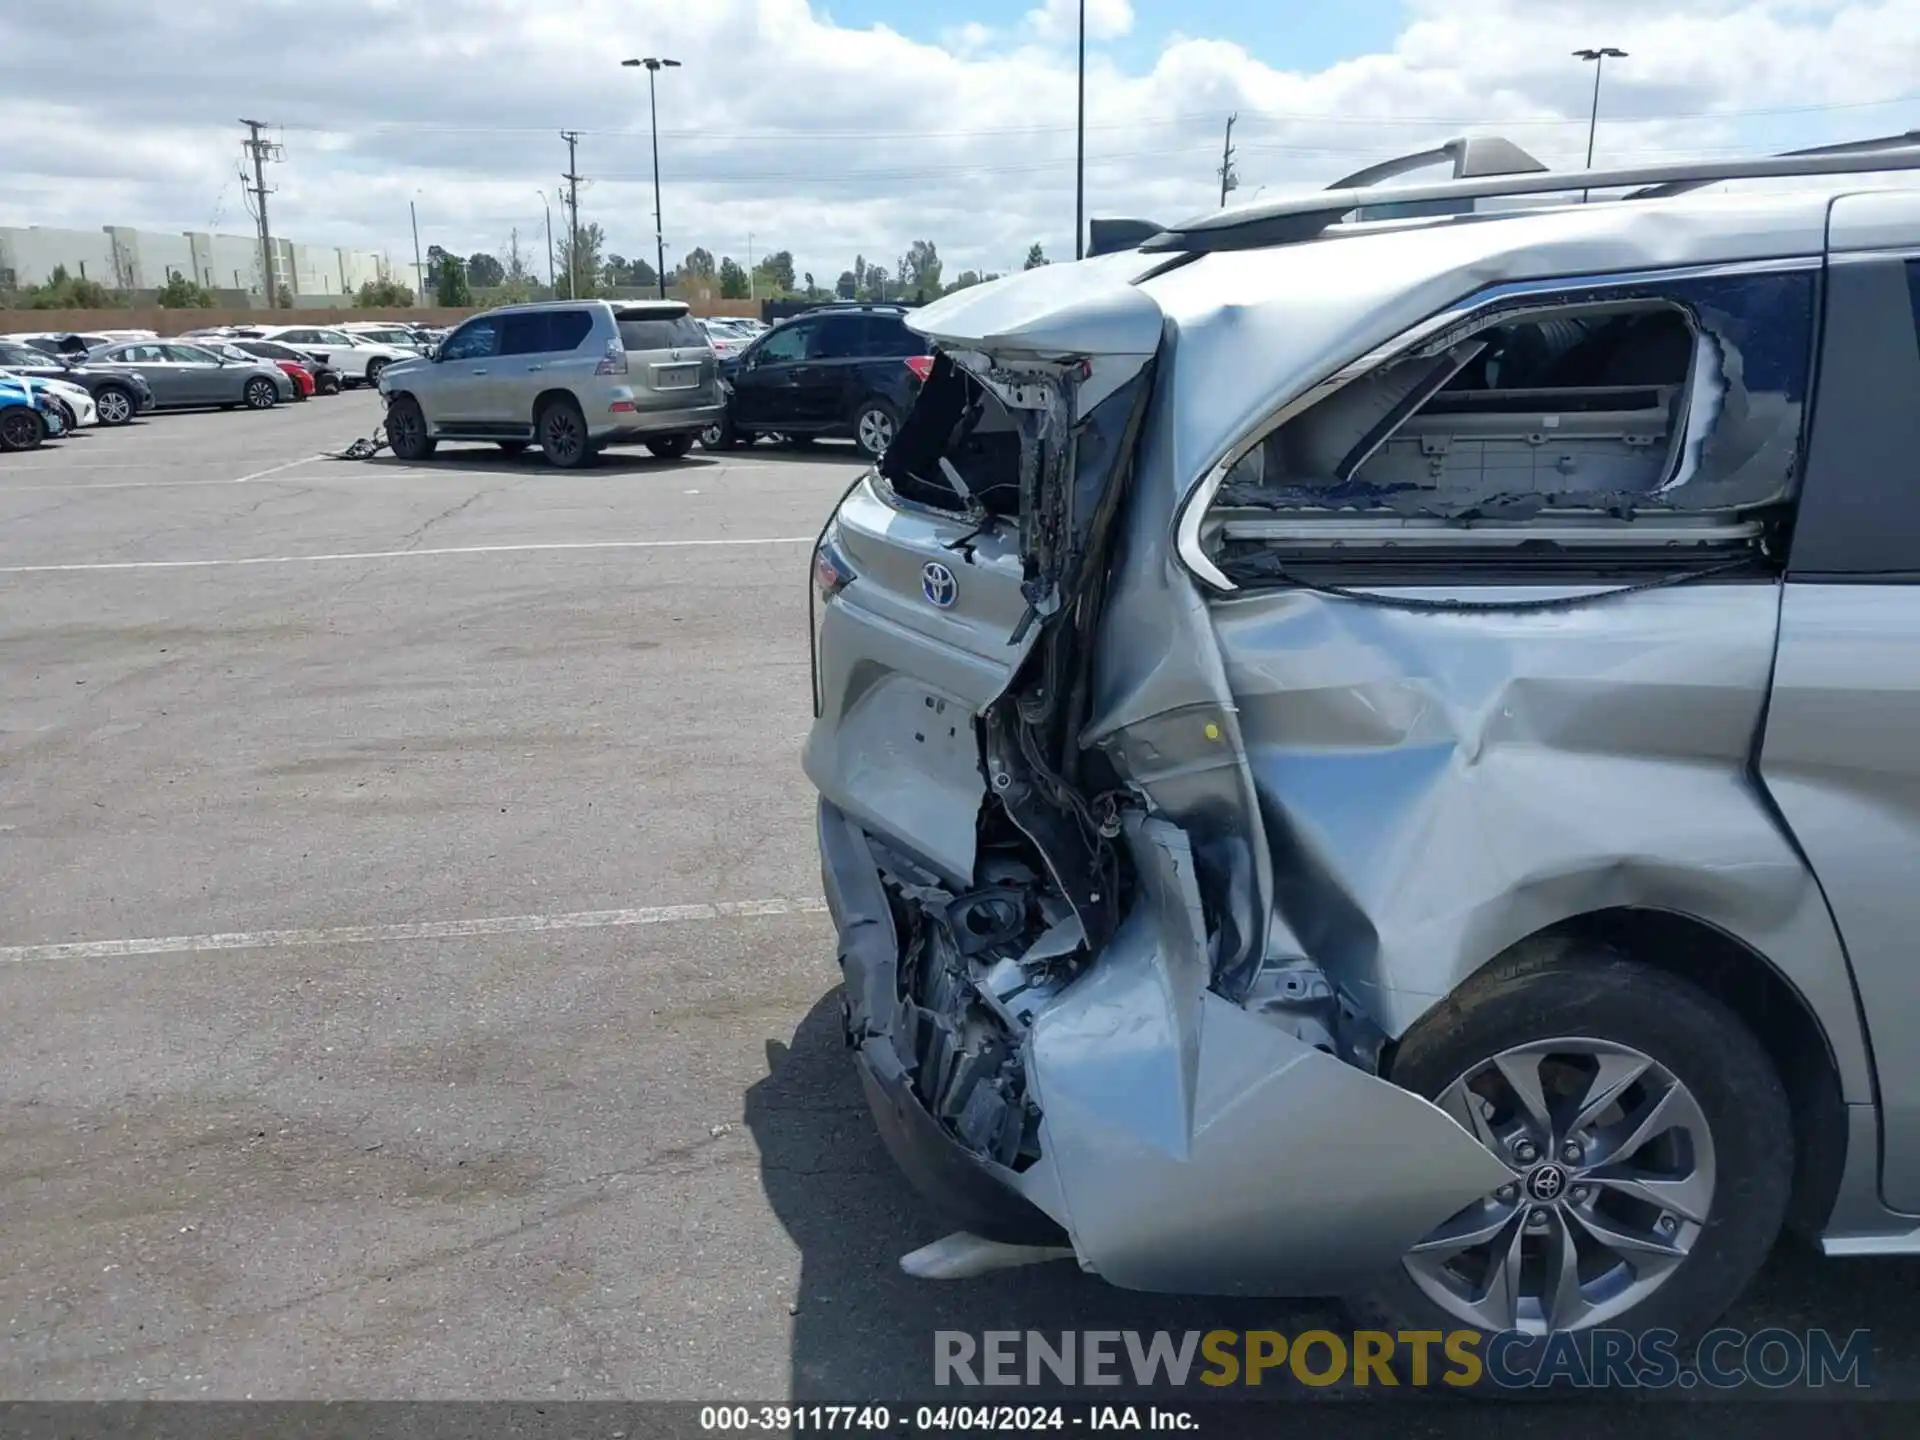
1080	148
750	290
262	151
572	137
1228	180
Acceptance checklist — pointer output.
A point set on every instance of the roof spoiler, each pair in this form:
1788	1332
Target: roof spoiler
1306	216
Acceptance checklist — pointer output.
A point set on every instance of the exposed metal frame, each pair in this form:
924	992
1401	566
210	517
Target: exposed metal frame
1506	296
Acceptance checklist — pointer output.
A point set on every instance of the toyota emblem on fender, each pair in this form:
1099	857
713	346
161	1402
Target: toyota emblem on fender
938	585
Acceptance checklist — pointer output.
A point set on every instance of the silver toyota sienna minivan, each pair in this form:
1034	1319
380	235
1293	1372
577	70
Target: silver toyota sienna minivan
1381	758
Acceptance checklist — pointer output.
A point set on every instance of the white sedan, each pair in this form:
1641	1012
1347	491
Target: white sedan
77	400
358	359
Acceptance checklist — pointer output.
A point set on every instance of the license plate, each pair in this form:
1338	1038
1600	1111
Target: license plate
675	377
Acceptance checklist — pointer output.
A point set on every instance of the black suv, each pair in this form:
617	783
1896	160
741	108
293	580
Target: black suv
840	370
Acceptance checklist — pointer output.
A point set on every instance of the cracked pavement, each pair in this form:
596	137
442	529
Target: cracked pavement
628	1161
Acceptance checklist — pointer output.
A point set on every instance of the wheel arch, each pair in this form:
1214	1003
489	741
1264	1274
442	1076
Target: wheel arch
1766	1000
549	396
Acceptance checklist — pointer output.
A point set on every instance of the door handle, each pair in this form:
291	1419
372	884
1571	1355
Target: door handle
478	370
532	368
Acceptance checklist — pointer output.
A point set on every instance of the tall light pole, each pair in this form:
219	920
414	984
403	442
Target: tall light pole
547	205
1599	58
419	275
1080	148
655	65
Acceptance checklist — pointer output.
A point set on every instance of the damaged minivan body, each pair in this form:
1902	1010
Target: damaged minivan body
1285	710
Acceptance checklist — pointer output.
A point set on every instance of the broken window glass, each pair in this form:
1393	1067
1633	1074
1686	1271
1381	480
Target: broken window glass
1685	396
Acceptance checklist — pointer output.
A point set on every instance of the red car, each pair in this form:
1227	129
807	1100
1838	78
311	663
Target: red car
301	376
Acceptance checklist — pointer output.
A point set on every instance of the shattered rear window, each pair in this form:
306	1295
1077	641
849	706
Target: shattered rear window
1686	396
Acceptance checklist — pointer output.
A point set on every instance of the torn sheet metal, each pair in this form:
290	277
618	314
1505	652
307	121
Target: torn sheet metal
1438	787
1198	1148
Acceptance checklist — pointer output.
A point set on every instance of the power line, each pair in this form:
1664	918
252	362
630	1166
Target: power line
1251	117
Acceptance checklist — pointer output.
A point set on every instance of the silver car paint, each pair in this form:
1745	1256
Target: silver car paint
1402	796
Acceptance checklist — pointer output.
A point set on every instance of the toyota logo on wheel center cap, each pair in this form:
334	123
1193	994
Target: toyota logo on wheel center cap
1547	1182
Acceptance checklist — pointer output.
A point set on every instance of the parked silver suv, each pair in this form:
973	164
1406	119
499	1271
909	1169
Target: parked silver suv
1382	757
569	376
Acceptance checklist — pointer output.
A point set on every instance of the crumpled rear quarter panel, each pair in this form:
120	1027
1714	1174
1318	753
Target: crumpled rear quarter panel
1436	787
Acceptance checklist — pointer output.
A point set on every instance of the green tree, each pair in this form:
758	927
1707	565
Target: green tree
733	280
813	290
920	270
450	288
847	286
774	274
484	271
640	273
63	292
1036	257
699	263
180	293
385	295
589	245
964	280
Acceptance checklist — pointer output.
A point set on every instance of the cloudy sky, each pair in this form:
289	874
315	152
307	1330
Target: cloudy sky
861	125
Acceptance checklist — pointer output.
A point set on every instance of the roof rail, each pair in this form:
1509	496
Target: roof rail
1845	147
1304	217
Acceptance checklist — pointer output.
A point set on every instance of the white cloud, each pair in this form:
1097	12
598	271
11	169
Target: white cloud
831	141
1060	19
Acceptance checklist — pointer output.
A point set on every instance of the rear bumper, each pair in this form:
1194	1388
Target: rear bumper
627	426
974	1195
1186	1144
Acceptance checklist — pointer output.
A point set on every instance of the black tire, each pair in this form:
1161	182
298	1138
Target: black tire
69	422
512	447
407	431
875	424
562	431
261	394
671	447
1549	989
720	435
374	367
330	385
116	405
21	429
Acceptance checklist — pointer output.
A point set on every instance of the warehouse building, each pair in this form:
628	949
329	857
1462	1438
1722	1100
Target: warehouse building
139	262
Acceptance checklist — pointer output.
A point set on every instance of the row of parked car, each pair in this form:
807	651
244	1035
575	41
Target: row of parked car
574	377
53	383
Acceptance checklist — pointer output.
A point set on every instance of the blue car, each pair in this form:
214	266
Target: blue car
27	415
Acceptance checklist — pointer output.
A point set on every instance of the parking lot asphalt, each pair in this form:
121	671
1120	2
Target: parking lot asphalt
477	1033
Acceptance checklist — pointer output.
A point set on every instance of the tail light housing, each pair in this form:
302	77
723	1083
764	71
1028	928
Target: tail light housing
614	361
921	365
831	575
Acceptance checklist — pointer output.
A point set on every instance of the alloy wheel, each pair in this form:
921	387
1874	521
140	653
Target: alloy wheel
1613	1182
560	435
875	432
261	394
113	407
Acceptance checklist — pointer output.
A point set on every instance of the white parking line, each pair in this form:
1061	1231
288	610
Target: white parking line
394	934
400	554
